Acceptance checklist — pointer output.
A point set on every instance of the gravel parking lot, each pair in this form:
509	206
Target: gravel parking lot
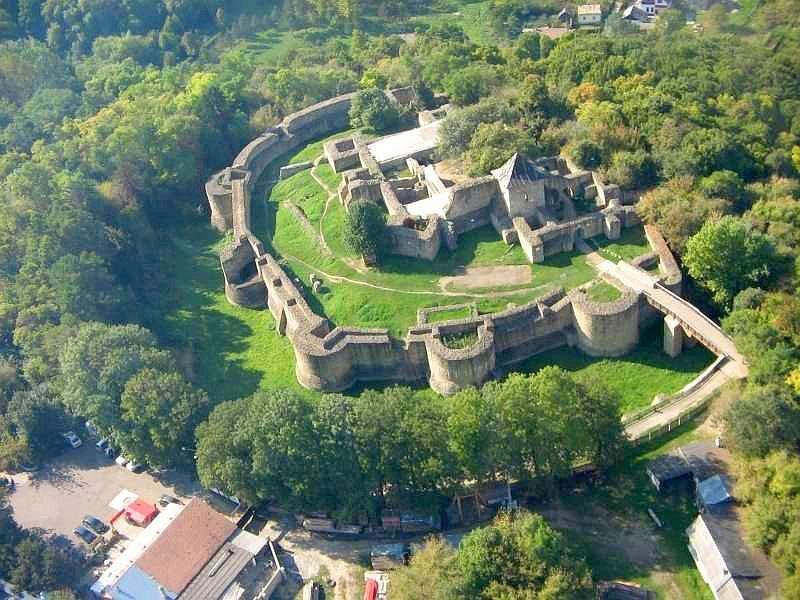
82	482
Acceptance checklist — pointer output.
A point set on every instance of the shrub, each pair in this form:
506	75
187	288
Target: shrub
373	111
365	229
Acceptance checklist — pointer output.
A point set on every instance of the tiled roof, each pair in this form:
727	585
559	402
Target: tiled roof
518	171
186	545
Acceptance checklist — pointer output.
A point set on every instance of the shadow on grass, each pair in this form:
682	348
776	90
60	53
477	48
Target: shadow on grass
192	322
625	494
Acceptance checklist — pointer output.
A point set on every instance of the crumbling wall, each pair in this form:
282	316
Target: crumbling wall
332	359
667	265
407	241
469	203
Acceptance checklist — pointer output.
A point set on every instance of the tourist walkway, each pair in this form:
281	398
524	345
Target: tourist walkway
731	364
696	324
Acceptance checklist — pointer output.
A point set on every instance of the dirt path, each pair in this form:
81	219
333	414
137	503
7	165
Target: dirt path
305	556
612	535
342	278
332	197
487	277
309	227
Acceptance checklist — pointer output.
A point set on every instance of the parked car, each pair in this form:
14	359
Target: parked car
133	466
110	452
85	534
92	429
72	439
121	460
167	499
95	524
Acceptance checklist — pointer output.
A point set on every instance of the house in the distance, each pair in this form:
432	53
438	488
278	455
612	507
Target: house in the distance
645	10
187	552
589	15
732	570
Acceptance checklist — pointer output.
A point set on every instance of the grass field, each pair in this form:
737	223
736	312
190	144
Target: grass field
470	16
638	376
234	351
631	243
390	295
603	292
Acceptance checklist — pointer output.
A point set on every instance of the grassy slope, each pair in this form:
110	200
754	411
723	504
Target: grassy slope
233	350
638	376
470	16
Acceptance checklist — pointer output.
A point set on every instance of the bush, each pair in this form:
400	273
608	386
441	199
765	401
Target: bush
493	144
365	229
373	111
632	170
586	154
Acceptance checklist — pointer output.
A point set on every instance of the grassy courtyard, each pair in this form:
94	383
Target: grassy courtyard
232	351
305	228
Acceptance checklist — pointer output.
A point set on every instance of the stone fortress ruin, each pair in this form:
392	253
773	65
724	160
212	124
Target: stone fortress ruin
532	203
527	202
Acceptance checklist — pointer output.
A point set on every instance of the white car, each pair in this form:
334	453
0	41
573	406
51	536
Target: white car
72	439
121	460
133	466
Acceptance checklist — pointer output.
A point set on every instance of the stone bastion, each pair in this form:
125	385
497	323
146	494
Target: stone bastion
333	358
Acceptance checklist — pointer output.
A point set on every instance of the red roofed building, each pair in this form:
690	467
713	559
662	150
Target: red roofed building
140	513
194	553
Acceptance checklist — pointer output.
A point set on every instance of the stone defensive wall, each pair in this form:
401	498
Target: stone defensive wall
333	358
672	277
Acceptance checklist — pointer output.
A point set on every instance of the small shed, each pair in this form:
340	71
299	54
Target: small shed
666	468
699	460
140	513
619	590
713	492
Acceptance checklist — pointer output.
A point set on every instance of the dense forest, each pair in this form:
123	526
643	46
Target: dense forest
114	112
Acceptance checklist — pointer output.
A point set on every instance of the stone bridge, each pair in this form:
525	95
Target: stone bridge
681	317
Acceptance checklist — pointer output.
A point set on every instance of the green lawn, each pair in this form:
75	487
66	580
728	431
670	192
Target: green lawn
449	314
232	350
603	292
638	376
470	16
268	46
631	244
